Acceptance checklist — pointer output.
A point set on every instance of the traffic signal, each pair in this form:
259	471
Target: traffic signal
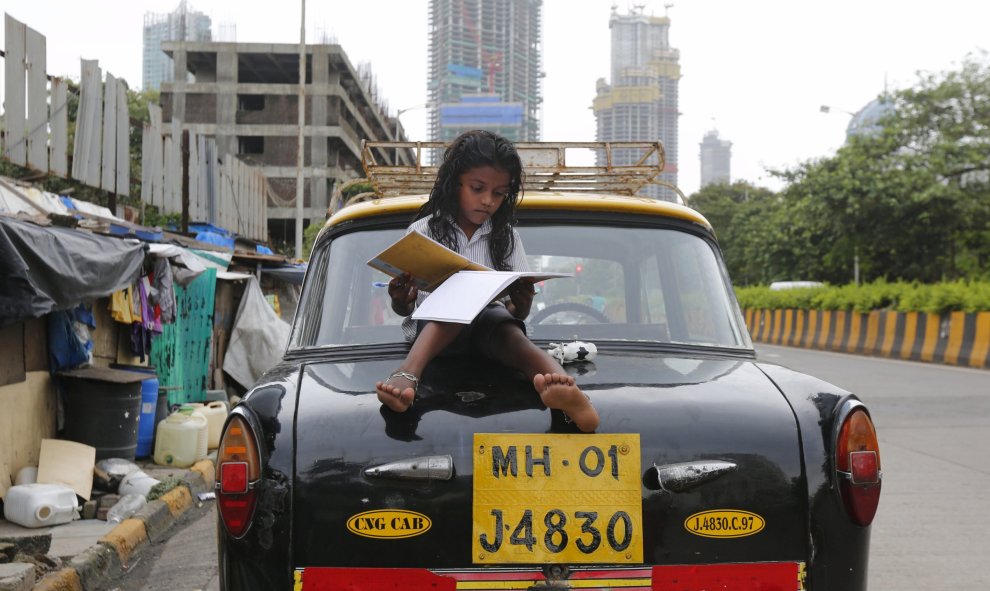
578	268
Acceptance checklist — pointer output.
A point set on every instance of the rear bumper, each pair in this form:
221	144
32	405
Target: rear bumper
785	576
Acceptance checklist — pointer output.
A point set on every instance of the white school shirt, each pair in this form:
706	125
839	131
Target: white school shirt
475	249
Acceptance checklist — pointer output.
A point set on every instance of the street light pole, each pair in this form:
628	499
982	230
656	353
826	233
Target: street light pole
300	144
401	111
827	109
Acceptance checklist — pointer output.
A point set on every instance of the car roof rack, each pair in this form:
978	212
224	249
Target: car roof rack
544	163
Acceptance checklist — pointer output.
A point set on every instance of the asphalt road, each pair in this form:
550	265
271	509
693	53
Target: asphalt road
186	561
930	532
933	422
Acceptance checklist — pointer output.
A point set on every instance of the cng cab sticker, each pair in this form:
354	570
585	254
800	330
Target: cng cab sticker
724	523
390	524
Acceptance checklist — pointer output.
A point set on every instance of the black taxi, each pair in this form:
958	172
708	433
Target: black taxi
710	469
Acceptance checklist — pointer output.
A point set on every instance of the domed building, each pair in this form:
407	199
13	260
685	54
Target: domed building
866	121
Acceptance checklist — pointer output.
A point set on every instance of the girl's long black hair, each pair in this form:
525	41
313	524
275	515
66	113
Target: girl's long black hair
470	150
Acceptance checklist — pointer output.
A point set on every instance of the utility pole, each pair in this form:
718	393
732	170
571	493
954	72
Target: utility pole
185	181
302	122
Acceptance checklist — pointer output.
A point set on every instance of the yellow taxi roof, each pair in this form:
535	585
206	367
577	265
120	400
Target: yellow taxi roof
609	203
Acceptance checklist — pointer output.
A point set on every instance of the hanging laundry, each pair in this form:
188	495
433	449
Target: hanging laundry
166	290
137	310
121	306
140	341
65	347
145	293
84	314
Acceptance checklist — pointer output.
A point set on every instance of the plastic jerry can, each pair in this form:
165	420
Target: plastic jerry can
215	413
40	505
181	440
188	408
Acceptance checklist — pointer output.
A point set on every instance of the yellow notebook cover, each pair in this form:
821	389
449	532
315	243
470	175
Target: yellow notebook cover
426	260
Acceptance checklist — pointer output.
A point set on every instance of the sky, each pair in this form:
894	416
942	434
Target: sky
757	72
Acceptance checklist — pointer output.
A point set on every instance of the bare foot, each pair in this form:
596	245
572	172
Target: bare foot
397	392
560	391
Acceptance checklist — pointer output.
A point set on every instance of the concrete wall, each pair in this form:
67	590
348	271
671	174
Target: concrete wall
201	108
956	338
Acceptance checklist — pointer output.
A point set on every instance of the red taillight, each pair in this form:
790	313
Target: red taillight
234	478
857	465
238	470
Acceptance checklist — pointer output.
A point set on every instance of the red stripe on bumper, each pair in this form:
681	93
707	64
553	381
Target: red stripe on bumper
762	576
374	579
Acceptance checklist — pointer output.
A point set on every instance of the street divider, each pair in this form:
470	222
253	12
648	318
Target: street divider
954	338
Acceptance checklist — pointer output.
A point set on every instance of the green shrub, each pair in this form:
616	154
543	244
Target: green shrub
966	296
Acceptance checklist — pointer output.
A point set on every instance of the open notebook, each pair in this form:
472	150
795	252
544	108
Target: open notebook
460	288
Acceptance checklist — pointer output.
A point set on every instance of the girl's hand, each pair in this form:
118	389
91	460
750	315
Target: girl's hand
403	292
521	294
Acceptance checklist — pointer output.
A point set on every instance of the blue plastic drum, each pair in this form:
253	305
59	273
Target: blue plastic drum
149	406
146	426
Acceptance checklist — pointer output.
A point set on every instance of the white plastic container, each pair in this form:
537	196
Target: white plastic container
181	440
137	482
27	475
215	413
40	505
188	408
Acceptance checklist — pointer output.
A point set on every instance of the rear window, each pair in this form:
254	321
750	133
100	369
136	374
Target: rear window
659	285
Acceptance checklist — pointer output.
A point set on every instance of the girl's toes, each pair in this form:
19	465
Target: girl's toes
540	382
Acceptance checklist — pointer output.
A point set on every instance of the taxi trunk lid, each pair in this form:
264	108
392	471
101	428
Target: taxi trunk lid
697	461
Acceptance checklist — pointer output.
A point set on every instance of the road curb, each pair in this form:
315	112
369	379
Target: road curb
126	538
65	579
92	566
112	554
178	500
16	576
157	519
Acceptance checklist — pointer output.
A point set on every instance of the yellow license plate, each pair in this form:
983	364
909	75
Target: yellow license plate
542	498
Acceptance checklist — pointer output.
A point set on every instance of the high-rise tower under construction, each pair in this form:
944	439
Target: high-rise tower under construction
716	159
485	68
640	104
183	24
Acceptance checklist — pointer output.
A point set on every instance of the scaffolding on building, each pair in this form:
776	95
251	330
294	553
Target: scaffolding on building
185	23
485	48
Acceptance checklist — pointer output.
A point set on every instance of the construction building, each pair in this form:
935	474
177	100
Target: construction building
641	102
246	96
182	24
484	68
716	159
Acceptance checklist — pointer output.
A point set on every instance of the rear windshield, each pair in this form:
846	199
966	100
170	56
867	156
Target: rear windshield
660	285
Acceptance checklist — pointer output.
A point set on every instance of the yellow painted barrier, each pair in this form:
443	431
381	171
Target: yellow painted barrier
823	342
889	333
910	334
809	340
957	326
956	338
981	340
854	329
932	326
